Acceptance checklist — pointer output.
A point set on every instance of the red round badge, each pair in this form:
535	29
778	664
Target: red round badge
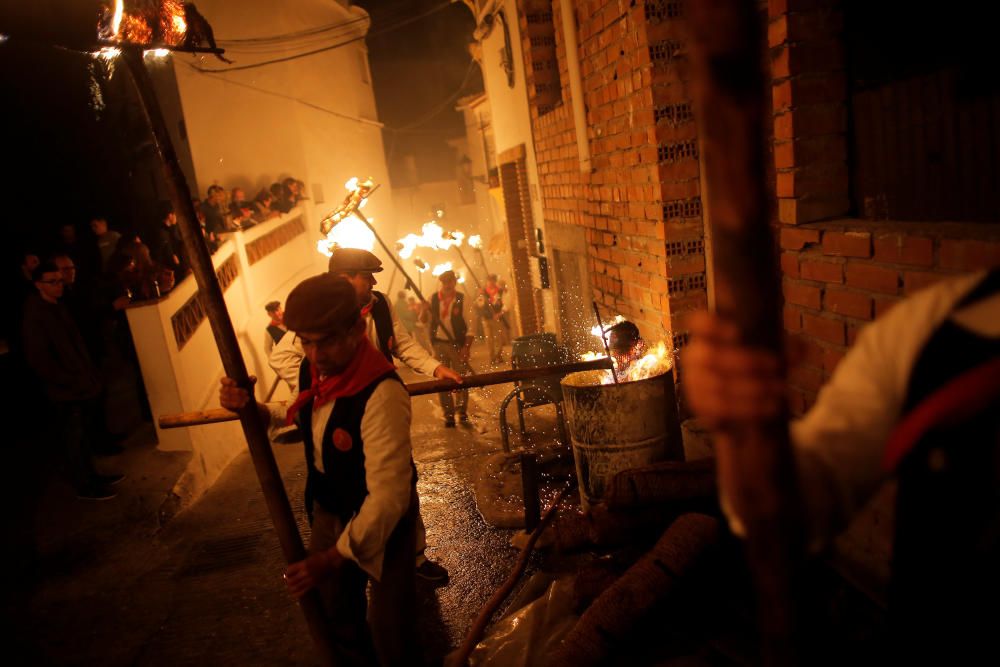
342	440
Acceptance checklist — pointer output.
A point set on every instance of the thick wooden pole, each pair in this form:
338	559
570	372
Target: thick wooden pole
225	339
392	256
197	418
755	465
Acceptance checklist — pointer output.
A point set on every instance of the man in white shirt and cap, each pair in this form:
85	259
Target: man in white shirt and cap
389	336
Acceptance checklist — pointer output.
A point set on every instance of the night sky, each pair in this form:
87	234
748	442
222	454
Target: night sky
65	161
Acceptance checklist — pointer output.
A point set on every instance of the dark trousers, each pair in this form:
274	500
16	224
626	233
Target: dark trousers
389	637
79	426
448	354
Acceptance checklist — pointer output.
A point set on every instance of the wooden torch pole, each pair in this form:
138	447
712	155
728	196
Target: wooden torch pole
225	339
754	465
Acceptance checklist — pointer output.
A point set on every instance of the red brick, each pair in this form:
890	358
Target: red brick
822	206
827	272
852	332
805	377
883	305
809	89
797	239
776	8
810	57
801	294
790	264
824	328
903	249
831	358
792	318
812	120
844	302
807	150
797	402
807	351
914	281
847	244
969	255
874	278
812	180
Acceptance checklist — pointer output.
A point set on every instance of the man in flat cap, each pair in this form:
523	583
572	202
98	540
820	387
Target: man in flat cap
389	335
452	342
354	415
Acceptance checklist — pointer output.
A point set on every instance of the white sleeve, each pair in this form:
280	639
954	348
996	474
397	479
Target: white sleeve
385	430
268	344
407	349
285	359
840	442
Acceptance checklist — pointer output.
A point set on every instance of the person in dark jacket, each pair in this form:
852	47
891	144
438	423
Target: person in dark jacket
56	352
452	342
354	414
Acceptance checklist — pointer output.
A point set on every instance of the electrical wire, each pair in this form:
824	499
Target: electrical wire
288	36
275	61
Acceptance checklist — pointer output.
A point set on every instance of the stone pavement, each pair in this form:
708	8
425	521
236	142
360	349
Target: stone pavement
110	586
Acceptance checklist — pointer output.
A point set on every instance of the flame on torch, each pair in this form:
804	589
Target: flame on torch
350	233
161	23
432	236
476	241
441	268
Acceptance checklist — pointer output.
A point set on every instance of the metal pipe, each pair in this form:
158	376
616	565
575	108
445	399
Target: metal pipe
232	360
604	339
575	84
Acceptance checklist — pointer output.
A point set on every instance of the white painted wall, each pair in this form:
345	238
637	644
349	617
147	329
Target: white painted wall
313	118
187	379
511	116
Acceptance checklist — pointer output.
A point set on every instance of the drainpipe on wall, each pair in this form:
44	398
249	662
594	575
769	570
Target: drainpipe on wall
575	83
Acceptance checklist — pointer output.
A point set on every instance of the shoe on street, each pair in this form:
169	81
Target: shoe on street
95	491
432	572
449	423
109	480
109	449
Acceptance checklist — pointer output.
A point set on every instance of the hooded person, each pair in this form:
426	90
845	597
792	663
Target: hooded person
354	415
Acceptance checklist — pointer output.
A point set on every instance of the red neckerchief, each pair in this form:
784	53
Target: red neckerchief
367	365
959	399
492	292
446	305
366	310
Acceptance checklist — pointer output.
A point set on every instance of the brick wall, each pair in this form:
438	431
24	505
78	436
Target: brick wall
839	273
640	204
839	276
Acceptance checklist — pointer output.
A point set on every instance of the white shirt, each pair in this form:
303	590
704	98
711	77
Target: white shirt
385	430
838	445
287	355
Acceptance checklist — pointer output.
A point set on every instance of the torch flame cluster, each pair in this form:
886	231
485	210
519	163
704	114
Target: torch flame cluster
161	22
432	236
343	229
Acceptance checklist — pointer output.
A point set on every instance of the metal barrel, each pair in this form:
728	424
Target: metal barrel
616	427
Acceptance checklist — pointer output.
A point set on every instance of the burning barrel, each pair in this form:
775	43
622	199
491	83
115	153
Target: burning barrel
616	427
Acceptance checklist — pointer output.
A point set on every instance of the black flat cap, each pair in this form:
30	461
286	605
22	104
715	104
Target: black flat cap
353	260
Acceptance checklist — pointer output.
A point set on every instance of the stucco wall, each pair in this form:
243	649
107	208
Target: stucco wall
184	376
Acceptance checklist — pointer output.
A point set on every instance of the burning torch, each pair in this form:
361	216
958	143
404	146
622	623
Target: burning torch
171	25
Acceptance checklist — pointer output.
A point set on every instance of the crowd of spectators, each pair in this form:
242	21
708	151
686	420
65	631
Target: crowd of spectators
67	299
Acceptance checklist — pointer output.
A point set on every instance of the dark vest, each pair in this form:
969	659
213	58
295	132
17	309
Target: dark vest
458	325
276	333
945	588
341	488
383	325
